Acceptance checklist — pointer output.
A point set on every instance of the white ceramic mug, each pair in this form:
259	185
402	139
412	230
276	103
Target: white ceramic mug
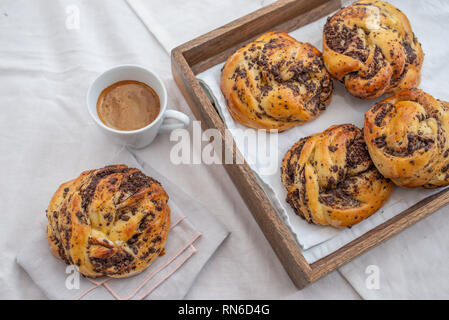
137	138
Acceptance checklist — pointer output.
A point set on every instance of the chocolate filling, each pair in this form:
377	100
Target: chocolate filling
409	52
344	40
81	218
416	142
120	261
385	109
357	153
136	181
381	141
337	198
87	193
290	169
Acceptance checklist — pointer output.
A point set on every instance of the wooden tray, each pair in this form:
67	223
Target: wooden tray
215	47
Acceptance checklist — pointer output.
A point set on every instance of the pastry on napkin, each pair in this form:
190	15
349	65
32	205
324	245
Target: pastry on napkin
194	236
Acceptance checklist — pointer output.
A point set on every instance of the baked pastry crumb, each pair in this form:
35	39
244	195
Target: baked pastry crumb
371	48
110	222
331	180
276	82
408	139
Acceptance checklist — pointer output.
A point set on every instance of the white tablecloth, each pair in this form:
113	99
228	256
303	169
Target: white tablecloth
46	136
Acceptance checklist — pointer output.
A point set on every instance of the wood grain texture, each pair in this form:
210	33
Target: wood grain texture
208	50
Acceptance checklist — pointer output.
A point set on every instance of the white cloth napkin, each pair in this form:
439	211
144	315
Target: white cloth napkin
343	109
193	238
177	21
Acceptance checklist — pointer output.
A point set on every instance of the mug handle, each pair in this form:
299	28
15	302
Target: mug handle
173	114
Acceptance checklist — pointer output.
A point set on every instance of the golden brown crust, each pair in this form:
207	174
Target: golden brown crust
109	222
276	82
331	180
407	138
370	46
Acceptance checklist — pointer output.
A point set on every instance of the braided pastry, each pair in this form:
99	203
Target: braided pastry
276	82
331	180
370	46
407	138
109	222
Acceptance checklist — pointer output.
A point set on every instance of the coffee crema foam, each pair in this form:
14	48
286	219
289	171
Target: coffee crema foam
128	105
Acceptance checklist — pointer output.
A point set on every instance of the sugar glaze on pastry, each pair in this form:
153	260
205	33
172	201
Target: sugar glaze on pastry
370	46
331	180
109	222
408	139
276	82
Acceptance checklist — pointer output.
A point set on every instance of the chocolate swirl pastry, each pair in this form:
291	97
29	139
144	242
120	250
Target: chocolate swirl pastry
331	180
370	46
407	138
109	222
276	82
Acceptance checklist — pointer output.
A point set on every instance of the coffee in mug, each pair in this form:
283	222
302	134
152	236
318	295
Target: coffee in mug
150	90
128	105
